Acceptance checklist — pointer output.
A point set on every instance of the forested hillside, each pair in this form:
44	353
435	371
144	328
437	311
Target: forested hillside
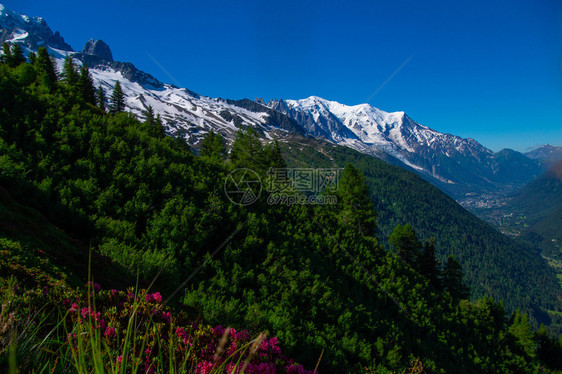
540	206
493	263
540	197
317	277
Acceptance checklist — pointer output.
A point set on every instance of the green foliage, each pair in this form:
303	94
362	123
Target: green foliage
427	264
272	153
213	146
6	53
315	276
154	122
69	72
452	280
100	98
521	330
406	244
549	349
12	55
492	263
357	205
17	58
117	101
46	68
247	150
86	85
32	57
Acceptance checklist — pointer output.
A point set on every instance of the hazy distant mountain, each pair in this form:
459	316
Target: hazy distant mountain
541	204
541	197
547	154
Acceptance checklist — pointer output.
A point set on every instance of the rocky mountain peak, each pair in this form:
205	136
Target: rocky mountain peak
98	48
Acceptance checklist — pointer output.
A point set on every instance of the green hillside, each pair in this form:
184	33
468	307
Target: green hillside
493	263
541	197
316	277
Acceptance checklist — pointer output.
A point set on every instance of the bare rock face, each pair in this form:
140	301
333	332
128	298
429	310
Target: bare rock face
98	48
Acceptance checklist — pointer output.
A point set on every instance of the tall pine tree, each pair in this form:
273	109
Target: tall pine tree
6	53
453	282
117	101
247	151
427	264
46	68
354	202
69	73
86	85
100	98
213	146
274	156
405	243
32	57
17	57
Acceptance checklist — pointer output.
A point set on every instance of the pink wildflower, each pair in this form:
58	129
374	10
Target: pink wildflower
74	308
153	297
204	367
109	332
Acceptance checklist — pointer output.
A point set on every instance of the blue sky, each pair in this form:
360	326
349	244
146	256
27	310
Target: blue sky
490	70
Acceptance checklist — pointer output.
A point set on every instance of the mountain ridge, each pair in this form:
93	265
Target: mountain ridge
454	164
444	159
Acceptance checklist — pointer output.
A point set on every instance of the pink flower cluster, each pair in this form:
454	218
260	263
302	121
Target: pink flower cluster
183	335
154	297
204	367
109	332
267	359
201	341
95	316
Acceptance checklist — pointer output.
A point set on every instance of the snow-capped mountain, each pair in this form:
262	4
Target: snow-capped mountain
442	158
182	111
455	164
33	31
371	130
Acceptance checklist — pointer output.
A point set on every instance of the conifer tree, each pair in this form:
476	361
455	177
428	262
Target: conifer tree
86	85
117	101
159	126
523	333
355	202
247	151
153	121
46	67
100	98
406	244
32	57
213	146
274	156
6	53
17	57
453	282
427	264
548	350
69	72
148	113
